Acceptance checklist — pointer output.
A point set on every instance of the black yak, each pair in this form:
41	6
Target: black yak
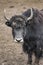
28	28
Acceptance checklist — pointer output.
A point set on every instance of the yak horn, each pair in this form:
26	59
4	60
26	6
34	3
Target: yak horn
31	16
5	15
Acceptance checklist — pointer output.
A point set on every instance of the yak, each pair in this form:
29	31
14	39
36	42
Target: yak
28	28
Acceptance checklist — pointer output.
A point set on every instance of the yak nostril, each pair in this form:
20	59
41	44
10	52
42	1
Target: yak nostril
18	40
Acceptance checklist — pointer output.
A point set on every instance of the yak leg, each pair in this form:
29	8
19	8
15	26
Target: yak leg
36	61
38	54
29	58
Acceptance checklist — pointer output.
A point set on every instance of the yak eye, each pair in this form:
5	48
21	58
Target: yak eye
19	27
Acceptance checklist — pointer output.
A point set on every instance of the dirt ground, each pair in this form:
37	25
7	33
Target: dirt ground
11	53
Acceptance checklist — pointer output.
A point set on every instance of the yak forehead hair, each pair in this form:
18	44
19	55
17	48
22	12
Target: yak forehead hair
18	17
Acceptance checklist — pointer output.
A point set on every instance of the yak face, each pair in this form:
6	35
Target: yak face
17	23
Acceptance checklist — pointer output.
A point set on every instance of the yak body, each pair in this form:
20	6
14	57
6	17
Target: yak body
30	32
34	28
33	40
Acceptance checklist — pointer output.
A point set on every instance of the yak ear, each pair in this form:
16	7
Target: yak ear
8	23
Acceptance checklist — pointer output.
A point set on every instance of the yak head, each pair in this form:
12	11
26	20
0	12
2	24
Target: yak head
18	24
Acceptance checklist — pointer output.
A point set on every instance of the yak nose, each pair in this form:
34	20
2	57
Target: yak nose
18	40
